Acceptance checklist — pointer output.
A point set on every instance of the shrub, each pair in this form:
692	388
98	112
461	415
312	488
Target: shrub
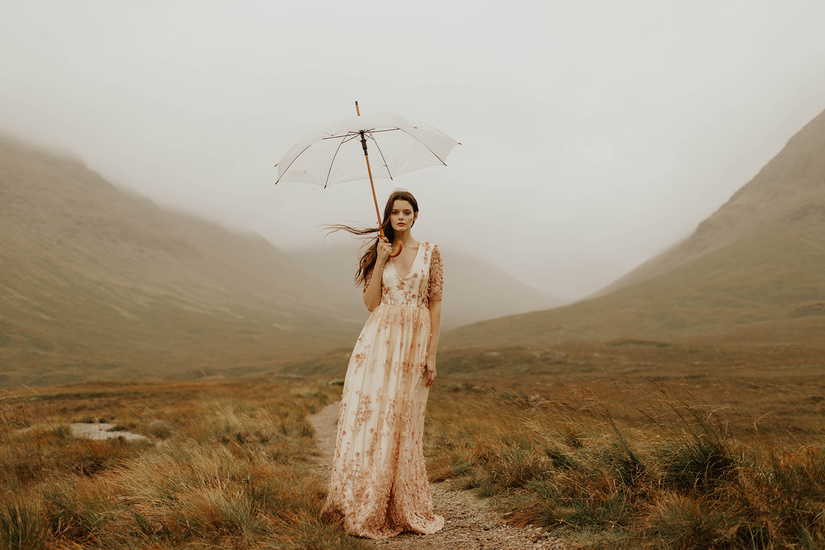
22	526
700	464
77	508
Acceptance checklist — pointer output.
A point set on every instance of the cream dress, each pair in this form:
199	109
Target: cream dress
379	480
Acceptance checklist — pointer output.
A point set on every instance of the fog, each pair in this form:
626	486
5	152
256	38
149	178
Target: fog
594	133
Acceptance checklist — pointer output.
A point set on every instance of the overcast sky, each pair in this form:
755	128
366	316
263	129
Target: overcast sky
594	133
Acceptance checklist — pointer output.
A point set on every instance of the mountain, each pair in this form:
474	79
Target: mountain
98	279
474	290
785	184
754	271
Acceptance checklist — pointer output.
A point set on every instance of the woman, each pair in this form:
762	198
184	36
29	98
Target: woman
379	481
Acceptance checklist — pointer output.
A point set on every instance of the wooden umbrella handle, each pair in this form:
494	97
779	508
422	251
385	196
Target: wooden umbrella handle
397	252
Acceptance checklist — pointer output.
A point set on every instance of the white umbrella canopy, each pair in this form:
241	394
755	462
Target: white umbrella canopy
334	154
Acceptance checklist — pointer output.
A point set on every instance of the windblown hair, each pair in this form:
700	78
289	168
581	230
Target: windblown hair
370	249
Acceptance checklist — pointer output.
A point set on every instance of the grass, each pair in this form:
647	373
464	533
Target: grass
226	466
729	455
777	387
681	474
22	522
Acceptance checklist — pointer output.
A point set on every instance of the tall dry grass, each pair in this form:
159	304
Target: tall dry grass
691	476
226	466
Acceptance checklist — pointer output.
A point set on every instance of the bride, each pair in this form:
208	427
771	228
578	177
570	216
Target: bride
379	480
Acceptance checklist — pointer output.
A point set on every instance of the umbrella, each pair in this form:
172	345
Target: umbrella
331	155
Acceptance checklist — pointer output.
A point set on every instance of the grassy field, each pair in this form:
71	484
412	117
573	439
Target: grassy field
226	466
777	386
630	443
640	444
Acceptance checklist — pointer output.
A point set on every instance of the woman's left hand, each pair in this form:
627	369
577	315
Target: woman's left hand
429	371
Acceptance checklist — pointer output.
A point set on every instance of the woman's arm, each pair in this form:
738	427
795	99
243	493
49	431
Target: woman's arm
435	326
434	292
372	292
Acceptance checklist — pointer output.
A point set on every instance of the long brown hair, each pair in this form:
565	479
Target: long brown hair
370	249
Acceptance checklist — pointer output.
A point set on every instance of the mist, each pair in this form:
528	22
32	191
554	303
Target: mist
594	134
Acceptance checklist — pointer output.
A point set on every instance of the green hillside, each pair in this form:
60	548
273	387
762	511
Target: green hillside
98	282
794	176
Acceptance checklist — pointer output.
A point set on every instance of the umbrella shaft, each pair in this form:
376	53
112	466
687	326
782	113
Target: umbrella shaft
363	142
372	185
374	199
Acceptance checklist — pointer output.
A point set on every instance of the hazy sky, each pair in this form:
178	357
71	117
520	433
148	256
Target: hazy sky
594	133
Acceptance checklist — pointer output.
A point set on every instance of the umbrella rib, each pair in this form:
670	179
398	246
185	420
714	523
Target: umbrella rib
350	135
425	145
332	162
358	133
383	158
291	163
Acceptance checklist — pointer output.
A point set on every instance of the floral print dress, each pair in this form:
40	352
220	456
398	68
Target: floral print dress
379	482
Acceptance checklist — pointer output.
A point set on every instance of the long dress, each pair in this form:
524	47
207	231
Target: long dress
379	482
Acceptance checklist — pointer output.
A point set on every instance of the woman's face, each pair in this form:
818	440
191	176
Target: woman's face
402	215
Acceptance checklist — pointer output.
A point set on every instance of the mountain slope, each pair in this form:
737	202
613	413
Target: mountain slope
475	290
791	178
754	270
95	277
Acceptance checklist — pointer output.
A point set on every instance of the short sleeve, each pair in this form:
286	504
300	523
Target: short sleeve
436	284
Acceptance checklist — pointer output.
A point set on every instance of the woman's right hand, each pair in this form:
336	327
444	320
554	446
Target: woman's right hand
384	250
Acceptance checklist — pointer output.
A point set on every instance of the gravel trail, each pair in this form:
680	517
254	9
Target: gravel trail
470	522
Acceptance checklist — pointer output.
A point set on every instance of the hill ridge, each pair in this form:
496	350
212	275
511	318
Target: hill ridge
789	179
745	283
95	277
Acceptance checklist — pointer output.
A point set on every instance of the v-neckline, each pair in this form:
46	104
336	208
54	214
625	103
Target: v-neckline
417	252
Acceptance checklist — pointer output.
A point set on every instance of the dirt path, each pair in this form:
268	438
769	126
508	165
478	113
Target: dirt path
470	522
